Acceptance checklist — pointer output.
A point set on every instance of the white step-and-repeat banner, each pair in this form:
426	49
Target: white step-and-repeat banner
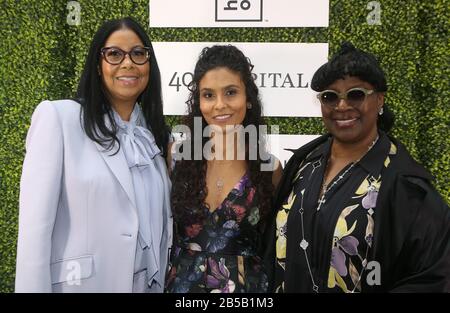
239	13
283	71
281	145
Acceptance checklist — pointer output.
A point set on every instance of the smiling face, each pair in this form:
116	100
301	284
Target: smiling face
223	100
350	124
123	83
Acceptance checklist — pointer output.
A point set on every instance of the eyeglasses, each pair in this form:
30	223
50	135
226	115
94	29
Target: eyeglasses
115	56
354	97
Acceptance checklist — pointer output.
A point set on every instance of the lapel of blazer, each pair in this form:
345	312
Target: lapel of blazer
167	211
119	167
166	239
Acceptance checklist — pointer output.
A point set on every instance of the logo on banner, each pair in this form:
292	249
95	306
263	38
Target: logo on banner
239	10
262	80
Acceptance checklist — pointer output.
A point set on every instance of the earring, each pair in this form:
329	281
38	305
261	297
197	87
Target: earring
249	105
381	111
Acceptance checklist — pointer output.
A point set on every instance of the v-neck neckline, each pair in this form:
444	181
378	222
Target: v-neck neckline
235	187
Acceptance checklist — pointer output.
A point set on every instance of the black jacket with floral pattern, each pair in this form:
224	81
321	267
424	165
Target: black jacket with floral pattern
411	234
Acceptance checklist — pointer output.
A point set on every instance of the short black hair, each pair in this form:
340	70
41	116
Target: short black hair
354	62
350	61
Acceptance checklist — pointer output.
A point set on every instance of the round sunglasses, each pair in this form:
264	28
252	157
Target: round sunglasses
115	56
354	96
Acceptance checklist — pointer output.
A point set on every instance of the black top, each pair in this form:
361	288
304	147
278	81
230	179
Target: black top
382	227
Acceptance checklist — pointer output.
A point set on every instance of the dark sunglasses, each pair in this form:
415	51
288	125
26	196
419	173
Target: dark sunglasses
115	56
354	97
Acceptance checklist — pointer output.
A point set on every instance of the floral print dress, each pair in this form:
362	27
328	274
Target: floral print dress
218	254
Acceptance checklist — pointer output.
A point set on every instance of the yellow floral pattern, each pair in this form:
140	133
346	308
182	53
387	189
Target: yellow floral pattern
353	233
345	246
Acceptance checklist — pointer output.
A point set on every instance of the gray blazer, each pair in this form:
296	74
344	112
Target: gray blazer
78	222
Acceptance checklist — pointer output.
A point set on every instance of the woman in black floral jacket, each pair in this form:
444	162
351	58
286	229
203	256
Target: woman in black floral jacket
354	211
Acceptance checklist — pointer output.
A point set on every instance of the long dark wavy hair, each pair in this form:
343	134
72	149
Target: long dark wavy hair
95	104
351	61
189	188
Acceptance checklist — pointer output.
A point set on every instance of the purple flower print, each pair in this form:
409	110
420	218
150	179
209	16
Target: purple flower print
220	278
240	187
338	261
349	245
370	200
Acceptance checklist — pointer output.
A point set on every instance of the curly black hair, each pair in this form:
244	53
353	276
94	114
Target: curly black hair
351	61
189	188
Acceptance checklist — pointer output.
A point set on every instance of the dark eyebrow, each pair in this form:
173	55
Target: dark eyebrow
205	89
231	86
116	47
224	88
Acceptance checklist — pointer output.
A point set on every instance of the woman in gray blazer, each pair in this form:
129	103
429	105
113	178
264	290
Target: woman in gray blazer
94	196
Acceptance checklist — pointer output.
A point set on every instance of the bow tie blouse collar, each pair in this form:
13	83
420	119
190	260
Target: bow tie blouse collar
137	141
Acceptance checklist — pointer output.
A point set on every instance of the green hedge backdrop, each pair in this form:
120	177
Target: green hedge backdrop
41	57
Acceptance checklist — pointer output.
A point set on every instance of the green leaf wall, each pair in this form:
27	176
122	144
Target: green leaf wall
41	57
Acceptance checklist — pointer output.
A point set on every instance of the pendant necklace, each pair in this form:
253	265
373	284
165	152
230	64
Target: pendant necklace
219	184
304	244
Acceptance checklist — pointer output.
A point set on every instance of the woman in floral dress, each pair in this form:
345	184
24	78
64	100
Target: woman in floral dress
220	201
